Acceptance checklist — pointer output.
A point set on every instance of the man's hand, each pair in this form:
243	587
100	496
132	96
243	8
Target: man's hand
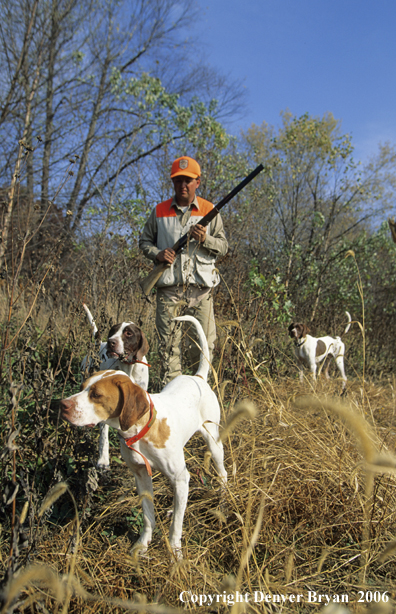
198	233
167	255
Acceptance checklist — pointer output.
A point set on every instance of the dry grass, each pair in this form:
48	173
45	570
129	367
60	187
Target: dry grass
296	515
310	503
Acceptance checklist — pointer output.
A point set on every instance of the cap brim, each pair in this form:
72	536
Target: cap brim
185	173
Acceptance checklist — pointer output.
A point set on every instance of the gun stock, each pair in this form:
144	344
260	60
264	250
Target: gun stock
149	282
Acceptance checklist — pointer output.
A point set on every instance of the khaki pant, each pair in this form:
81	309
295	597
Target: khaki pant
171	334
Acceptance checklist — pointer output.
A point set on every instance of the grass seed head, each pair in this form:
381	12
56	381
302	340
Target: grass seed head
32	575
243	410
24	512
389	551
57	491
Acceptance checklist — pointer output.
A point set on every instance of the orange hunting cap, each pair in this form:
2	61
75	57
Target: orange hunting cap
186	166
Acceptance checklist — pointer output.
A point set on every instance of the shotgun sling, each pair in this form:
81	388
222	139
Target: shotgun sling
149	282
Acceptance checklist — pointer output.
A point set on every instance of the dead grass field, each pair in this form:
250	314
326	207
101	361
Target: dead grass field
310	506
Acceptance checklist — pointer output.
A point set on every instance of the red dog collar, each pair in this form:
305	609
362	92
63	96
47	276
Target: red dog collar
131	440
135	362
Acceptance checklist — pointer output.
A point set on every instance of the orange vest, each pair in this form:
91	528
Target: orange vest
194	265
169	228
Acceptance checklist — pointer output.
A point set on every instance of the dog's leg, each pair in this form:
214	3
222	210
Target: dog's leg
338	353
180	490
210	433
327	375
144	486
340	364
104	459
300	369
312	367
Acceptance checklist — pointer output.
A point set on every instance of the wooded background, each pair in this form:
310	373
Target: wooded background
97	99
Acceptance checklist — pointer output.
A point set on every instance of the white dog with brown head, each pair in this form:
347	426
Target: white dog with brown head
153	429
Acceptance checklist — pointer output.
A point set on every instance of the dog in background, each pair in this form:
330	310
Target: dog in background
125	350
310	351
153	430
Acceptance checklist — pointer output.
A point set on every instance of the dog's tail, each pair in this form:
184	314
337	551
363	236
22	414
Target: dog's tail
348	326
204	363
91	320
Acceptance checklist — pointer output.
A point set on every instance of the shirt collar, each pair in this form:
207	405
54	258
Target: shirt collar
194	204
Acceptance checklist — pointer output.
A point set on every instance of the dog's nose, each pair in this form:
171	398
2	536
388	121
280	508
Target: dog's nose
67	406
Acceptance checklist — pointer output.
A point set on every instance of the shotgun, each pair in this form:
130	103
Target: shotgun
149	282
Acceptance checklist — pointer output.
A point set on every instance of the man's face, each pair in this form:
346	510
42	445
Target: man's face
185	188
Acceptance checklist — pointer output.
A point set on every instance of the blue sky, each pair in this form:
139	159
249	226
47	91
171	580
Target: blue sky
309	56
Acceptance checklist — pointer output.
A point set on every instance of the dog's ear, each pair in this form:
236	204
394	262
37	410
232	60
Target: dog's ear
133	403
143	347
300	330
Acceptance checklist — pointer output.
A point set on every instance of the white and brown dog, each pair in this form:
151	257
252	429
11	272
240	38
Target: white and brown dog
312	350
125	350
154	429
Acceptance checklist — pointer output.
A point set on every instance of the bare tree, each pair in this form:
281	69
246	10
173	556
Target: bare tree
87	79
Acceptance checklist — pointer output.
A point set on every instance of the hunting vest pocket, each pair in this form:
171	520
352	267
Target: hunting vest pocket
205	270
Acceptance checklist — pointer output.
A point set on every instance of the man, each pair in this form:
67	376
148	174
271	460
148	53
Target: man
191	274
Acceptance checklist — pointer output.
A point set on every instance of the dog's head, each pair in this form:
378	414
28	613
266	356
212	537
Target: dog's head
298	331
127	342
106	395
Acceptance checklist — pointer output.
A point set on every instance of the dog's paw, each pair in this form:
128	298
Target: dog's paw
139	549
143	542
103	467
177	552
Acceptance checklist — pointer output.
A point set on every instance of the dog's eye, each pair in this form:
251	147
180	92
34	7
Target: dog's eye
95	395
